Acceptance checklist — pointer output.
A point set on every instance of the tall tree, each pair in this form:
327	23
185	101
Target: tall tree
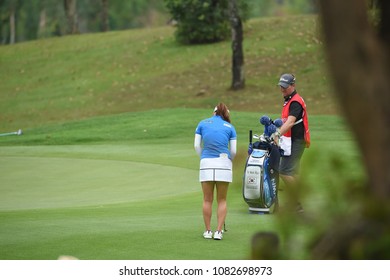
71	16
238	79
359	61
12	21
105	18
42	19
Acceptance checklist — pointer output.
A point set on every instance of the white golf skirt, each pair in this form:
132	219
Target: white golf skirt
216	169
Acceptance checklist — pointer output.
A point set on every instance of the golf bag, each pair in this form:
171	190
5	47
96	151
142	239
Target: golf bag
261	175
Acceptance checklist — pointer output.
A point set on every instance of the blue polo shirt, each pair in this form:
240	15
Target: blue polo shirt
216	134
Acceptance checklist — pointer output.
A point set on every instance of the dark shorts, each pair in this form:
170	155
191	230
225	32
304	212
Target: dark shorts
290	165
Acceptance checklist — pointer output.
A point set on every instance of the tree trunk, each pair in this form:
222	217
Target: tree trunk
12	26
42	24
238	81
359	62
105	18
71	15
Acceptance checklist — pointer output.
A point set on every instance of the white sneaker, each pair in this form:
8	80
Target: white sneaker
208	234
218	235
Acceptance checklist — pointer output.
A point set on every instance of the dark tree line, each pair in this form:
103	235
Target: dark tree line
23	20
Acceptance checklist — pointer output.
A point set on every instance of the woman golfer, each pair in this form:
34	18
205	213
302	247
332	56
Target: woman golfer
219	148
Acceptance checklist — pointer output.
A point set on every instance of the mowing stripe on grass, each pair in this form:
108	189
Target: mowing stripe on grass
34	182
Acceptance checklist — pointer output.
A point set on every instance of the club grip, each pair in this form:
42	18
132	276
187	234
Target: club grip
250	136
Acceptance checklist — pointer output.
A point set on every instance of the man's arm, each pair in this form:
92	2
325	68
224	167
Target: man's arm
287	125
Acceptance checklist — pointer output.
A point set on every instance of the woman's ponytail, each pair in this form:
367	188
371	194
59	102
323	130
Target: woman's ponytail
223	111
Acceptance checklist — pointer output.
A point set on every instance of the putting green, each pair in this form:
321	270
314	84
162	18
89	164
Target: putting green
46	182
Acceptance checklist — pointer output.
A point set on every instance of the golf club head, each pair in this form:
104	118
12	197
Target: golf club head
271	129
265	120
278	123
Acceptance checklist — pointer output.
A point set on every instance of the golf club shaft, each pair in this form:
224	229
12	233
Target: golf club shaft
19	132
9	133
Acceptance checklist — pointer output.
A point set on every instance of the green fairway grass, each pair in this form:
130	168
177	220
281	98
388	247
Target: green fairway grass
120	193
66	182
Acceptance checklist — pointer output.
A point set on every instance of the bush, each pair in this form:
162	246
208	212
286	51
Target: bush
200	21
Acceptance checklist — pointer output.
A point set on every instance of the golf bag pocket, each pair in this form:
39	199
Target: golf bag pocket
285	145
252	183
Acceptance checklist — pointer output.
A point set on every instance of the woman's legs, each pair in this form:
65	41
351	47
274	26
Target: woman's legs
222	188
208	195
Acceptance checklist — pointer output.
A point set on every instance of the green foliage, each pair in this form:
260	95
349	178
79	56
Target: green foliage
200	21
122	15
281	7
302	6
261	8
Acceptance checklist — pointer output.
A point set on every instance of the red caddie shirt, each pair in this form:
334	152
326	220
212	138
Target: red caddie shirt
285	112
